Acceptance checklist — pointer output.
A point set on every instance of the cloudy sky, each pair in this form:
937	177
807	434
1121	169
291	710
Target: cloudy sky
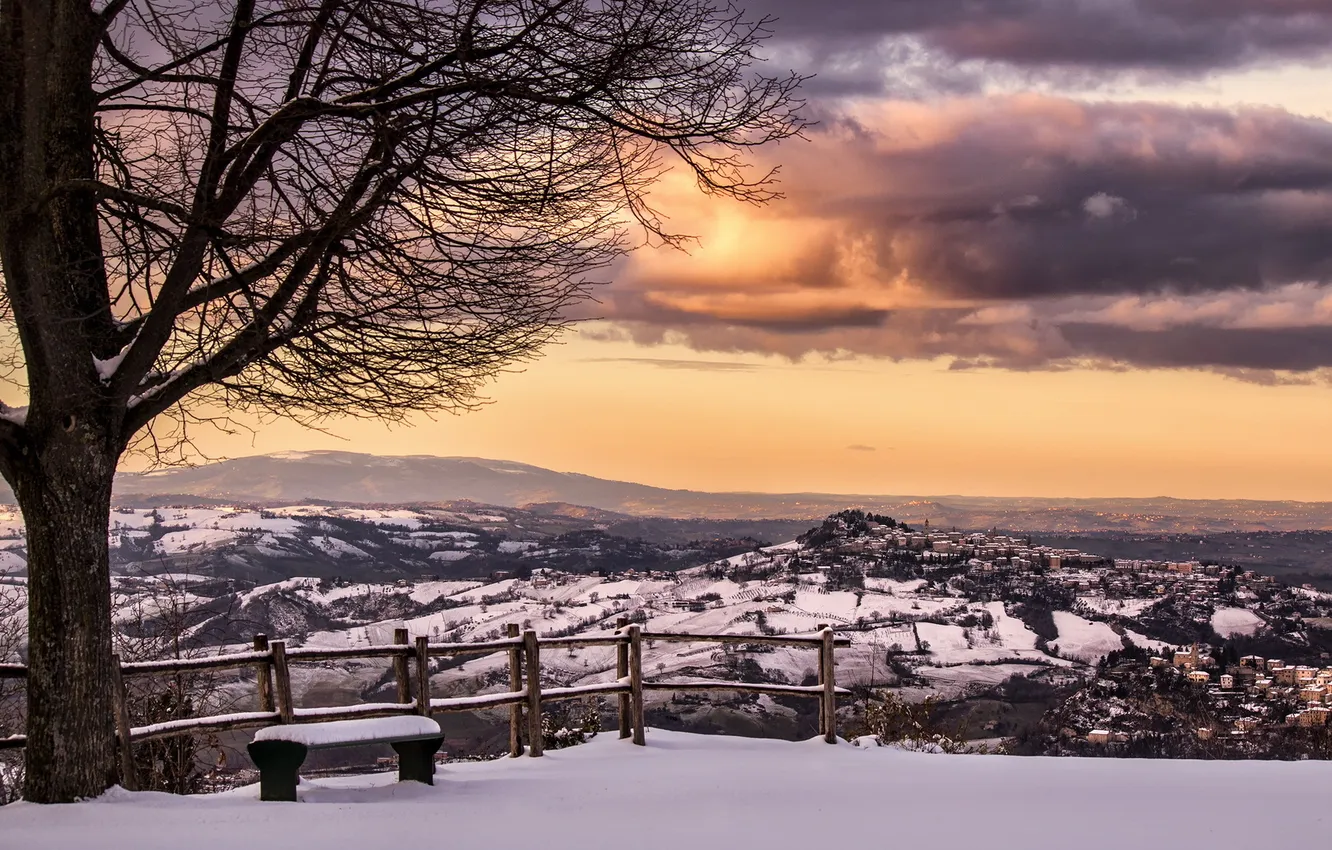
1032	247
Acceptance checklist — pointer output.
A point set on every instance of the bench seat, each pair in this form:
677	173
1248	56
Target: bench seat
279	751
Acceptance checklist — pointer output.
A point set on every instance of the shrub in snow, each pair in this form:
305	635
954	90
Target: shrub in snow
892	721
568	724
13	698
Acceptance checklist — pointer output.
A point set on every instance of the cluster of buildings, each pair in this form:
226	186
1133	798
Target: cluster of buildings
1187	581
988	553
1249	696
980	550
1262	681
1003	561
1001	557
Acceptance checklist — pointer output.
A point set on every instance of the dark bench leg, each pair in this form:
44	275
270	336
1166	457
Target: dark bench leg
416	759
279	764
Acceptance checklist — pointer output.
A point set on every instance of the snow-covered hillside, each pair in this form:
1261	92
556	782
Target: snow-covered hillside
706	792
908	619
952	641
878	620
257	545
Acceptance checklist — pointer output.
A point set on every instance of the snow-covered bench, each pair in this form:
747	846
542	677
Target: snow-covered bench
279	751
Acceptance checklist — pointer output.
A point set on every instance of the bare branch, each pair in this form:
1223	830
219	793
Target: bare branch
102	190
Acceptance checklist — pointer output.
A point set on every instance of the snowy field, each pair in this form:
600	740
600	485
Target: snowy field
1229	622
1084	640
701	792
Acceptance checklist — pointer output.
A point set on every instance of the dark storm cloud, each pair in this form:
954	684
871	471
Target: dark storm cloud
990	208
1035	197
1193	346
675	364
1005	198
640	307
1175	36
1026	231
815	319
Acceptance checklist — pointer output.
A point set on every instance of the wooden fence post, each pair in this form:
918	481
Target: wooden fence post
823	683
282	677
120	703
400	668
423	676
263	675
533	653
829	702
622	673
636	682
515	685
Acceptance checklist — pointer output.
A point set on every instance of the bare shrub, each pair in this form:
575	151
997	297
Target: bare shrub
13	633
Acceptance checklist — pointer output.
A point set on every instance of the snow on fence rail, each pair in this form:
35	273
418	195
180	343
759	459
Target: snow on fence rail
271	663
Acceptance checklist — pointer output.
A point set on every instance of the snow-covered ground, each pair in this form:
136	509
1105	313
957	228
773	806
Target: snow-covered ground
1229	622
705	792
1121	607
1084	640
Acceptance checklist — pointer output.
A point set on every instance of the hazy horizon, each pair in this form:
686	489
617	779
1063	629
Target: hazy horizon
297	454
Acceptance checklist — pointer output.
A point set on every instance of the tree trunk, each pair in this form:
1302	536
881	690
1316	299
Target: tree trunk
66	502
60	457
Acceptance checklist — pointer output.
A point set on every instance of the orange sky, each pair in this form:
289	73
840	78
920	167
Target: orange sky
619	410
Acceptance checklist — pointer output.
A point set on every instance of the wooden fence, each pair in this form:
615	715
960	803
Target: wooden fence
272	661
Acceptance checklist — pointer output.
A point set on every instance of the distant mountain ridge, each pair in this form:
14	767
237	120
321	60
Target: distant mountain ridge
348	477
364	478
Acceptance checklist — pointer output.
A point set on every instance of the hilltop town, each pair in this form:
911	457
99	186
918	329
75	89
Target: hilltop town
1212	611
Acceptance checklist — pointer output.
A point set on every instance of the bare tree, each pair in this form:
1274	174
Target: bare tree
310	208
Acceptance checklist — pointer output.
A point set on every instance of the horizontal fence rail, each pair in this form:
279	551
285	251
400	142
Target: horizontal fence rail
191	665
410	659
805	641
